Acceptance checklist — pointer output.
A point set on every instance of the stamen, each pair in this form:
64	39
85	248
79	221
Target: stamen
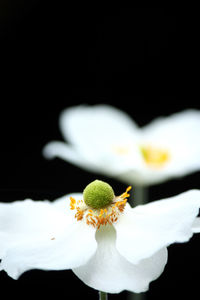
126	194
100	217
79	214
72	203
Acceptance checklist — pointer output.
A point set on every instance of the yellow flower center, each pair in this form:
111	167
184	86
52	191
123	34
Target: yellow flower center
154	157
103	216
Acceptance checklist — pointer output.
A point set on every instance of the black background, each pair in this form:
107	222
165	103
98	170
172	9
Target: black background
140	60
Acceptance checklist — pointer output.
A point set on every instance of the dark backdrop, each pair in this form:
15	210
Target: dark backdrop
54	56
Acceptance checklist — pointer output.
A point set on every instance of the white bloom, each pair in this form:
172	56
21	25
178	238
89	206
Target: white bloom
106	140
110	249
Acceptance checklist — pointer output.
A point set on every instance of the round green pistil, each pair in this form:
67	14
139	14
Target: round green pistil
98	194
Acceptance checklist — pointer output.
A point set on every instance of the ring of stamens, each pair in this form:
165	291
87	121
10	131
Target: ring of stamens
103	216
154	157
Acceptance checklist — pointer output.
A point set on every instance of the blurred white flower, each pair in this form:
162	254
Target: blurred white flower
106	140
110	249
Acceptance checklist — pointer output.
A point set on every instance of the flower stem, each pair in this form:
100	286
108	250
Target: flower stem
133	296
103	296
140	195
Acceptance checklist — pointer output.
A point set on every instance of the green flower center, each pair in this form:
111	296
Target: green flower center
98	194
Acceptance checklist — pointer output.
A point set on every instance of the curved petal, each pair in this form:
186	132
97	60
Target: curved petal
66	152
142	175
144	230
110	272
102	160
196	225
178	133
97	135
41	235
26	220
185	125
84	125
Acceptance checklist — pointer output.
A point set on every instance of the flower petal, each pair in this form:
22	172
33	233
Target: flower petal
66	152
179	133
102	160
28	220
97	135
184	125
110	272
196	225
38	235
96	125
144	230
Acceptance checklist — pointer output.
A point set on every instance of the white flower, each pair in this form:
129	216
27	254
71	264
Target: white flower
110	249
106	140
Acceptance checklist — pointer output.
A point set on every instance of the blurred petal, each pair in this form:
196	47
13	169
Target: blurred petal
144	230
99	125
110	272
105	140
95	135
66	152
179	133
101	160
184	125
196	225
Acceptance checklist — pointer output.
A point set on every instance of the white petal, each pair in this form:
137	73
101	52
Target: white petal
65	152
84	125
101	160
72	248
28	220
40	235
178	133
196	225
144	230
110	272
94	133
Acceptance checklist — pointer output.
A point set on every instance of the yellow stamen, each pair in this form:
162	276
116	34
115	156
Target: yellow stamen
126	194
79	214
154	157
72	203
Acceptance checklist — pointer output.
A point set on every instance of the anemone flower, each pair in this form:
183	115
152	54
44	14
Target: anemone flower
107	141
110	246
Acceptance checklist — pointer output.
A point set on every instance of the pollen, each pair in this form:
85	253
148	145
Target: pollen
154	157
101	216
72	203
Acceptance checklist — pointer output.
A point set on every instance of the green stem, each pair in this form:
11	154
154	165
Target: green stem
133	296
103	296
139	195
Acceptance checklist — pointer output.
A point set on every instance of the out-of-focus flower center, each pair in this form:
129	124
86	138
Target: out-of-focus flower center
101	216
154	157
